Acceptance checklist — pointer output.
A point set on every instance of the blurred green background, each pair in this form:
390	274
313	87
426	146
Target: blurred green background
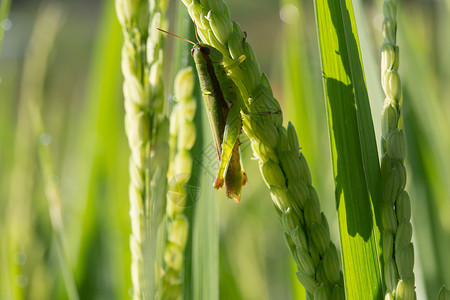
64	223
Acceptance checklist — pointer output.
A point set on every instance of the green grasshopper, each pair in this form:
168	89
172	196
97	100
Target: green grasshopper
223	104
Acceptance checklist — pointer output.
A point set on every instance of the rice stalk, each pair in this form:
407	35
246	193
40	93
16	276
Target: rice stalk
282	165
35	67
182	139
147	131
398	250
19	237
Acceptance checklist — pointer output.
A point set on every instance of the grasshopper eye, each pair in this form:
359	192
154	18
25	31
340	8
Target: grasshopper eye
192	52
205	50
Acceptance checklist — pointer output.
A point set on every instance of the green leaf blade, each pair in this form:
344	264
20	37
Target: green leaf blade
354	152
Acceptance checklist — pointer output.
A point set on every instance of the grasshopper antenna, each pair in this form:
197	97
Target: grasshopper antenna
196	35
177	36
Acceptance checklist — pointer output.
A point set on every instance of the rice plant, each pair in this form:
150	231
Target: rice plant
398	269
147	128
108	161
182	139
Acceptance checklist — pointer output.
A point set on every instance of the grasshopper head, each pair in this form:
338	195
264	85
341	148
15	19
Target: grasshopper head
204	53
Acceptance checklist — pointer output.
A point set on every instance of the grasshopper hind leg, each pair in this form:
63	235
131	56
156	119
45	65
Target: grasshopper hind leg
235	176
244	174
229	147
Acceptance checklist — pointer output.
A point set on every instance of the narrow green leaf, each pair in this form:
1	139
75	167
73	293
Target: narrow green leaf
98	148
182	59
354	152
205	260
